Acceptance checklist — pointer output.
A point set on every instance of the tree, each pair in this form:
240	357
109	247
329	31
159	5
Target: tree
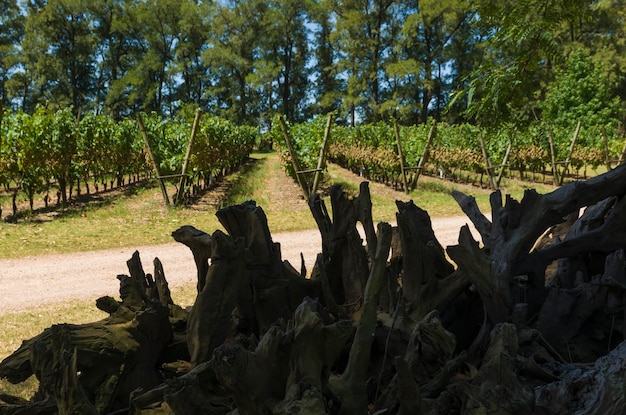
119	42
11	33
327	84
421	56
605	39
230	55
525	41
192	41
580	92
285	44
151	79
59	52
362	40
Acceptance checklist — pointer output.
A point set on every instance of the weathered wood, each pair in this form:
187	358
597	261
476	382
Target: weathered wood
400	156
608	236
304	185
591	389
196	392
316	348
277	289
477	268
555	172
428	279
403	358
200	244
344	258
321	160
364	216
155	164
58	372
183	174
515	227
429	349
425	152
210	320
349	386
248	221
113	358
497	385
505	162
488	165
568	159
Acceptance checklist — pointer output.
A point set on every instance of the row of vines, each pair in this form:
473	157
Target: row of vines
455	152
54	152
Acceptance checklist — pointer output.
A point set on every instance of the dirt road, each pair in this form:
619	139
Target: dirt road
32	282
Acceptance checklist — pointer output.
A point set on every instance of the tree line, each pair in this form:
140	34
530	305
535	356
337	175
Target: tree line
482	61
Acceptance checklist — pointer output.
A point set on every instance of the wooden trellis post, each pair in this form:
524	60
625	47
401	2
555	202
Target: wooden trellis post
155	165
605	142
400	155
424	157
505	161
422	160
621	156
555	173
183	177
568	159
322	157
488	165
294	161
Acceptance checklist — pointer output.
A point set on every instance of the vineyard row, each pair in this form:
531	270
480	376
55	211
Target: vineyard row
56	150
455	151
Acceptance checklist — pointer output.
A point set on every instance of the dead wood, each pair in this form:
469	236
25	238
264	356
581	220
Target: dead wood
428	279
586	389
58	373
248	221
211	318
114	356
514	229
200	244
349	385
248	286
344	258
403	334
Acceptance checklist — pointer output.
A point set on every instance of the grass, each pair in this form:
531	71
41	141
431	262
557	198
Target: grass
137	217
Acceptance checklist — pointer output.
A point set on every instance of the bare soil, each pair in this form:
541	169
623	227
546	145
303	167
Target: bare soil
32	282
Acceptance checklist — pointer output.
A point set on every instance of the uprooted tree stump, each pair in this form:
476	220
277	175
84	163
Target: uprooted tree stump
529	320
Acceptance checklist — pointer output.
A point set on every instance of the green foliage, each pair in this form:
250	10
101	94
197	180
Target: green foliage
306	140
220	146
580	92
486	62
54	148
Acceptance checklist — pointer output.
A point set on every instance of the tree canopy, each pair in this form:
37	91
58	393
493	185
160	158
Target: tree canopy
483	61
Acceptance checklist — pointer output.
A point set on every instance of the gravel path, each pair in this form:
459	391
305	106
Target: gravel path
32	282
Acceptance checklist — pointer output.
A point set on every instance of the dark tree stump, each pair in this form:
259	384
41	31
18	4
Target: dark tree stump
428	279
200	244
373	341
211	318
344	259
